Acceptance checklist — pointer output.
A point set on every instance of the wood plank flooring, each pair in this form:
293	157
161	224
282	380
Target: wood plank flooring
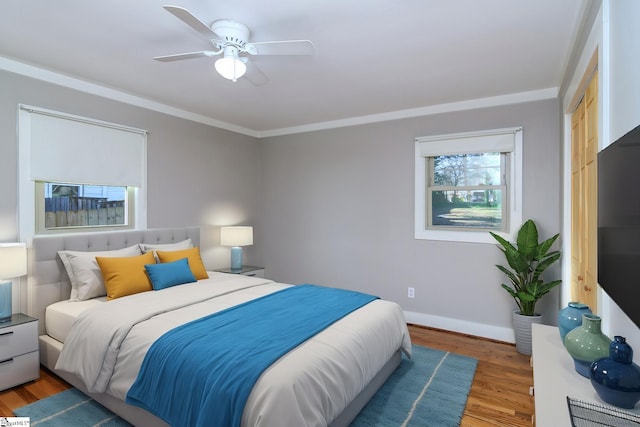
500	390
499	393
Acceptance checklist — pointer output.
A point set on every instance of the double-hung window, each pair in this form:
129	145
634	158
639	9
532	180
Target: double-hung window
468	184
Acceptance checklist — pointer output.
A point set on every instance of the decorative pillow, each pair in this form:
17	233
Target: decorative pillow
148	247
125	276
193	255
84	273
170	274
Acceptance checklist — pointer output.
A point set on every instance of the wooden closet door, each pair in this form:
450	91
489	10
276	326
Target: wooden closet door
584	202
577	200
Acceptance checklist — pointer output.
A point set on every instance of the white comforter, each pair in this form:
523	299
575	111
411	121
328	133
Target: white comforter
310	386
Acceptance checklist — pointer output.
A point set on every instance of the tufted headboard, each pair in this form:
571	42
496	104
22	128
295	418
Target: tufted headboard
47	280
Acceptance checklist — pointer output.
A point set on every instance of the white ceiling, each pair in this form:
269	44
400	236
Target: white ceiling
371	56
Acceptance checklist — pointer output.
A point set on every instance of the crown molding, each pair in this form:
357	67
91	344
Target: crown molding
494	101
116	95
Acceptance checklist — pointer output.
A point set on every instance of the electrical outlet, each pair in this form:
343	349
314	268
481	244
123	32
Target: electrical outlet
411	292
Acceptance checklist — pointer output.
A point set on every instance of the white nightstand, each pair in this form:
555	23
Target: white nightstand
19	356
246	270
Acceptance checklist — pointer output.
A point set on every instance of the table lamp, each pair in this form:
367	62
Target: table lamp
13	263
236	237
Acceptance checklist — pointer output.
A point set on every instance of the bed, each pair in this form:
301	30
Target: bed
326	380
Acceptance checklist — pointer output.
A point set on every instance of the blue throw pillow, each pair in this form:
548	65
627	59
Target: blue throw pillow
169	274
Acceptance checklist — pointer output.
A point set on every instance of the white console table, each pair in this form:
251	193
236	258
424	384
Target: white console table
555	378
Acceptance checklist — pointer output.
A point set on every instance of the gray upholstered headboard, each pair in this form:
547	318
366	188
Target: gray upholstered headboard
47	281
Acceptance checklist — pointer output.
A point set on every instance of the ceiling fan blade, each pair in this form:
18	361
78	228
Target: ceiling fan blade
286	47
185	16
254	74
181	56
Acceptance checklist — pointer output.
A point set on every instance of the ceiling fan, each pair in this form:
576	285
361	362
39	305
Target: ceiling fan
231	39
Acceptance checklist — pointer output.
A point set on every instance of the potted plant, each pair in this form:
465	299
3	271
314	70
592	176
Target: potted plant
527	260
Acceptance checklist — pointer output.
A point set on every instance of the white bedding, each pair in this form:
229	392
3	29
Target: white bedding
310	386
60	316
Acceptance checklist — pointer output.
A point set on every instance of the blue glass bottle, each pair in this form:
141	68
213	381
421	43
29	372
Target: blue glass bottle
616	378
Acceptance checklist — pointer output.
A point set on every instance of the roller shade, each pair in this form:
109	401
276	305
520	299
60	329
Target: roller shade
494	141
78	150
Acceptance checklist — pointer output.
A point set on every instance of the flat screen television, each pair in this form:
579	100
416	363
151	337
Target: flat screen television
619	223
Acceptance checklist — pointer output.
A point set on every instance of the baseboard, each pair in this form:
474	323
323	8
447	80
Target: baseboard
462	326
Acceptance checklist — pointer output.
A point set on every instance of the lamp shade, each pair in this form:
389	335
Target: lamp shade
13	260
236	236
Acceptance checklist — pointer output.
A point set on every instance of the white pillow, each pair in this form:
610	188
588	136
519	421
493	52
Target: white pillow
84	273
165	247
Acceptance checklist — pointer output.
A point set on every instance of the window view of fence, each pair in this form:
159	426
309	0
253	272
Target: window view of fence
79	205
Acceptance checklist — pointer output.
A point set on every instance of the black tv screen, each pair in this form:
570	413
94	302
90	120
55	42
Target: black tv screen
619	223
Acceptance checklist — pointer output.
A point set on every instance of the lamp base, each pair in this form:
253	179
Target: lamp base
5	301
236	258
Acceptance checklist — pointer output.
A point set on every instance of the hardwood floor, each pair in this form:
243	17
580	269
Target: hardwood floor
47	385
500	390
499	393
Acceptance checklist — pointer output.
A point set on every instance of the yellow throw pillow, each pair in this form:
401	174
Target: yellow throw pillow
125	276
193	256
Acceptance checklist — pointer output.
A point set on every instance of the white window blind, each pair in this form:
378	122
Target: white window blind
494	141
66	148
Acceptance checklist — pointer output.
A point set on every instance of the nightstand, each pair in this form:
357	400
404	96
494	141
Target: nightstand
246	270
19	355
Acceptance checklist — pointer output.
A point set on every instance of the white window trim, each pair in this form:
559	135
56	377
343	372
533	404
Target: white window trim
27	186
515	190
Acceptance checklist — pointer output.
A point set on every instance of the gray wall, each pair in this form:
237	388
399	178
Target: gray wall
196	174
330	207
337	208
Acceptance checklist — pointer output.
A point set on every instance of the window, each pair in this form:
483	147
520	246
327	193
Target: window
466	191
79	173
69	205
468	184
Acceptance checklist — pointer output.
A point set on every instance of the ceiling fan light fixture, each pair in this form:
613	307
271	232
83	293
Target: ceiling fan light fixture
232	39
231	68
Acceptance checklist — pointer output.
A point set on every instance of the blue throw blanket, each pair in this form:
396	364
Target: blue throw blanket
201	373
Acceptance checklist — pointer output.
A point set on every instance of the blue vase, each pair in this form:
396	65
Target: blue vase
570	317
616	378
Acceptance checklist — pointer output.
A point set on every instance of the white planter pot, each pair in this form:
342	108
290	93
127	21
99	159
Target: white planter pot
522	331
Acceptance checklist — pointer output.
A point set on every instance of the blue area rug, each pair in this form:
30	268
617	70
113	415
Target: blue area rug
71	408
430	390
